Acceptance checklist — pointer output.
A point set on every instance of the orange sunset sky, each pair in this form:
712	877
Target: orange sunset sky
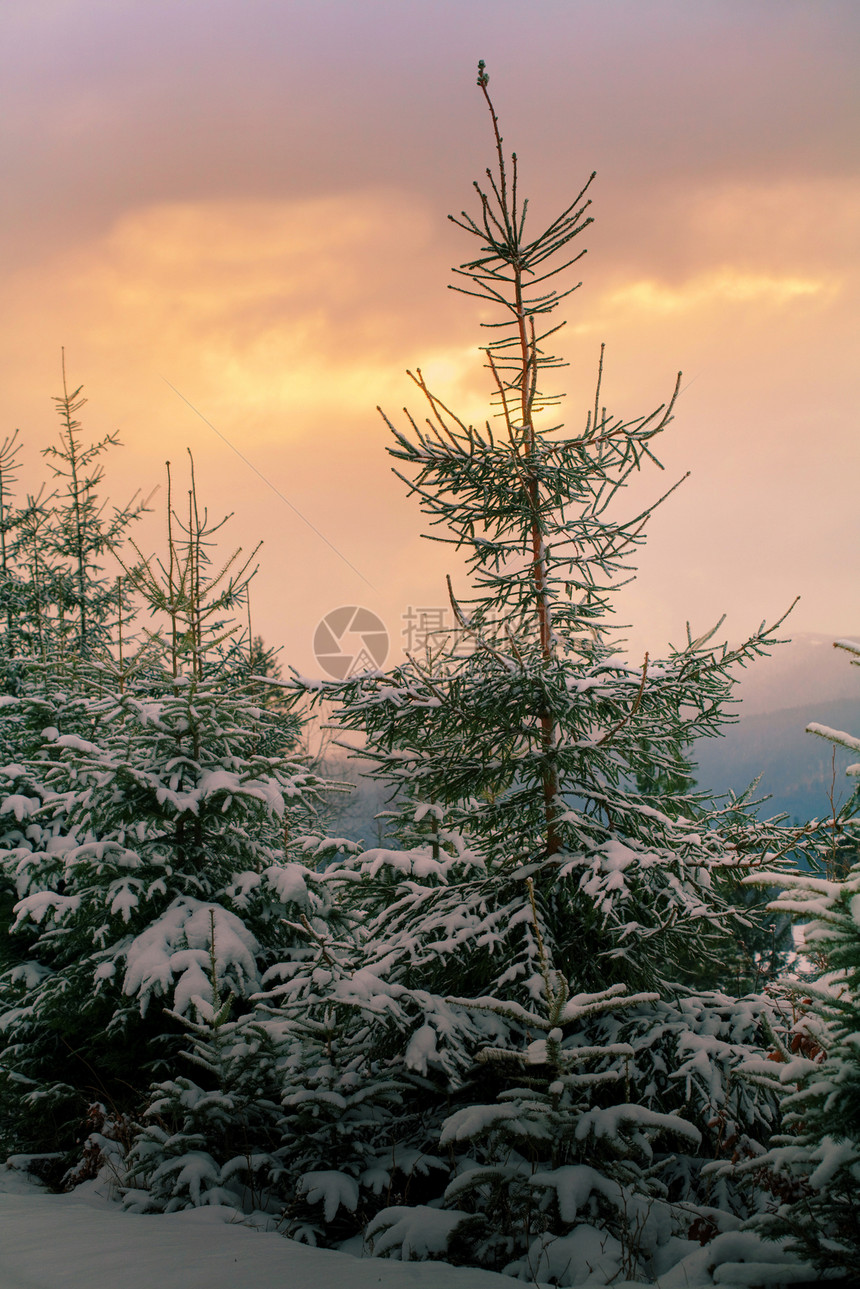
247	199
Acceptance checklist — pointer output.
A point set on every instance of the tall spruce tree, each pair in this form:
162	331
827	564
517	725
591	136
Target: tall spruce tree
555	871
532	741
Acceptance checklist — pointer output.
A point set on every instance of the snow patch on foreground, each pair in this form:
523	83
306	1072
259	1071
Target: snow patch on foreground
82	1240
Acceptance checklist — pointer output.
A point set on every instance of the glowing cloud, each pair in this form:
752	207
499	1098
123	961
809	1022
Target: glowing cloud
722	286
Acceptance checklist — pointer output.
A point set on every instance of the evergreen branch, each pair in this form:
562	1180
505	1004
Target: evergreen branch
610	734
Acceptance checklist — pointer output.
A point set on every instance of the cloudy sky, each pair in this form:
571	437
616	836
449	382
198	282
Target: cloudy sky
242	204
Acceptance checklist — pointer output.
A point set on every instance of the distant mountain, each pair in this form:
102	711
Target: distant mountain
805	680
804	672
796	768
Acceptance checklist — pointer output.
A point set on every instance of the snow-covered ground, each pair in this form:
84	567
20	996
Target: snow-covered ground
83	1241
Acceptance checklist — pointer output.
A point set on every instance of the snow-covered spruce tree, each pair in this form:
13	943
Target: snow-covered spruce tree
58	603
813	1168
211	1139
349	1129
537	1221
59	606
176	806
532	743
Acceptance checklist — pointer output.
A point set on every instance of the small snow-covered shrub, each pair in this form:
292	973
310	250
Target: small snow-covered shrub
413	1234
104	1150
213	1139
354	1122
688	1056
589	1254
